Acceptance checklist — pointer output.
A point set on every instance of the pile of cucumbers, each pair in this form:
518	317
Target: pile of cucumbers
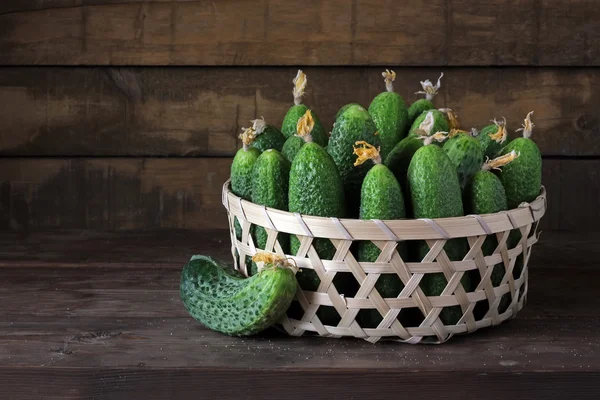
387	161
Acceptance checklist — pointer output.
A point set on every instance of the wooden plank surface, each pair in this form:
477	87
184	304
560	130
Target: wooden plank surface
110	332
200	111
277	32
154	193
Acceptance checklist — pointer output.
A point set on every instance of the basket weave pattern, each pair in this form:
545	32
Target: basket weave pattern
386	235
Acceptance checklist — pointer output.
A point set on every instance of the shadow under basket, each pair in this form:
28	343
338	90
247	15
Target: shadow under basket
345	300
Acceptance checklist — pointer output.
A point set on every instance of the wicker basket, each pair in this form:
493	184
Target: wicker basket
385	235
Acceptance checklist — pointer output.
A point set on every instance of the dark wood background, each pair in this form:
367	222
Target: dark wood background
124	114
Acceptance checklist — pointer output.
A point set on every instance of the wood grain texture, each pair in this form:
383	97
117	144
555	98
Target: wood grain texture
83	332
156	193
278	32
200	111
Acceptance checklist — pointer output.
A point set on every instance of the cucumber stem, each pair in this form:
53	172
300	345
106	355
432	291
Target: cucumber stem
366	151
299	85
429	90
305	126
248	135
259	125
266	260
438	137
500	135
501	161
527	126
389	77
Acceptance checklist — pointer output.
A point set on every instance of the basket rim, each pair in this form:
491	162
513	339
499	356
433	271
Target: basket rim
400	229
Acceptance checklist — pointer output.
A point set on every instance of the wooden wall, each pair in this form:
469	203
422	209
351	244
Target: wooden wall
124	114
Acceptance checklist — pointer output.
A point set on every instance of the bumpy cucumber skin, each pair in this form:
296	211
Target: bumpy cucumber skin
440	122
489	146
291	147
398	161
241	178
521	178
345	107
316	189
485	195
390	115
466	154
353	125
417	108
270	138
270	184
435	193
232	305
290	123
241	172
381	198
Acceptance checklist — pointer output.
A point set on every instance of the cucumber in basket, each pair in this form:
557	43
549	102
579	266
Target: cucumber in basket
270	180
288	127
492	137
485	194
225	302
267	136
381	198
435	193
390	115
303	134
429	90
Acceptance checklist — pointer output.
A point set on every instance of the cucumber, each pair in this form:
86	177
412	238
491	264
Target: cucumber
399	159
389	114
492	137
316	189
485	194
288	127
417	108
381	198
466	154
241	171
522	178
440	123
435	193
353	125
303	134
270	180
267	136
235	306
344	108
421	105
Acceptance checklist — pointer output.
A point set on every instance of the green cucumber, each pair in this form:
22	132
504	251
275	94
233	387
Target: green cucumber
344	108
417	108
485	194
267	136
421	105
381	198
492	137
303	134
435	193
316	189
288	127
390	115
241	172
398	161
270	180
466	154
440	123
355	124
522	178
232	305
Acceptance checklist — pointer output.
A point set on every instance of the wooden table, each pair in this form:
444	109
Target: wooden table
98	316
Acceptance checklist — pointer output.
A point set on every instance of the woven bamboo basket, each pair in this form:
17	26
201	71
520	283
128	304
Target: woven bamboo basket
386	235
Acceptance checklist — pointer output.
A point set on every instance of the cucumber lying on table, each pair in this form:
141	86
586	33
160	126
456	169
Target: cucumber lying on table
223	301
